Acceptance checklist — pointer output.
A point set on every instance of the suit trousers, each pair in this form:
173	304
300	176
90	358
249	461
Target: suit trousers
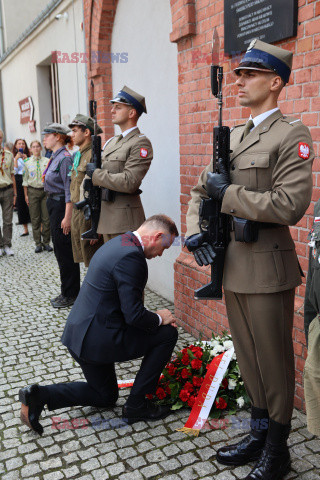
101	388
261	327
69	270
39	215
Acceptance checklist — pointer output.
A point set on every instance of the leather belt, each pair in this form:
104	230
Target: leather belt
262	225
56	196
2	189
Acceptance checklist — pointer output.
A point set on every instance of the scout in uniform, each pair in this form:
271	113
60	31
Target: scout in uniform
312	328
8	195
269	184
126	159
36	197
57	185
82	128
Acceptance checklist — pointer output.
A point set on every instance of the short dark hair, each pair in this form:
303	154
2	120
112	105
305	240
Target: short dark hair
163	221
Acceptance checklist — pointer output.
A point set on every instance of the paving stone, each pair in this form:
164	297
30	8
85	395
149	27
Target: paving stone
31	351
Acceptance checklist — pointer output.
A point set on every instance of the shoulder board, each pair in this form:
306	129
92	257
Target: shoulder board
240	125
291	120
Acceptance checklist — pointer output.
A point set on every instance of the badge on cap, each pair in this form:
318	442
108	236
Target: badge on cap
143	152
252	44
304	150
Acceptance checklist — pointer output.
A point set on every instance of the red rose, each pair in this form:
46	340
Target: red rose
171	369
224	383
184	395
197	381
221	403
191	401
168	390
198	354
188	387
149	396
196	364
185	373
185	360
161	393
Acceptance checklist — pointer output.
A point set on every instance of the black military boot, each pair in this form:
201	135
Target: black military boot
274	462
250	447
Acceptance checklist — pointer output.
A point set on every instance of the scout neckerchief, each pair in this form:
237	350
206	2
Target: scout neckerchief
38	168
2	161
45	171
76	162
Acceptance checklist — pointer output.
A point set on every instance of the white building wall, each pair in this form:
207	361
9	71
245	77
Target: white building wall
142	29
23	73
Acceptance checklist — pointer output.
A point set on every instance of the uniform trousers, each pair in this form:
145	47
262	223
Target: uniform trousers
312	295
261	327
6	202
101	388
39	215
69	270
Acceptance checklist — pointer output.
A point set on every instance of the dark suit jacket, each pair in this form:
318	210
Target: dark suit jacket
110	303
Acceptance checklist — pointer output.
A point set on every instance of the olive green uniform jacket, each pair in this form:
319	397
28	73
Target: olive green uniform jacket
124	165
81	249
271	182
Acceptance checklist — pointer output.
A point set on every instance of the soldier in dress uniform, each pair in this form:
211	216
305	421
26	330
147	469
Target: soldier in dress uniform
270	184
82	128
126	159
8	196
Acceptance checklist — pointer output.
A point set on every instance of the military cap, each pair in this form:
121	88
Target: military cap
56	128
130	97
84	121
262	56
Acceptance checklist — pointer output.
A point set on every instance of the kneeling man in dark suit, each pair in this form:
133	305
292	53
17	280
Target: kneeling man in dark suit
108	323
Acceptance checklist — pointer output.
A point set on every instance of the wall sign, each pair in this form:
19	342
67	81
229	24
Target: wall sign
267	20
26	110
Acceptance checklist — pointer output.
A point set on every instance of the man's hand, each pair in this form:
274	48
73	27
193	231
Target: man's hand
202	251
217	183
167	317
90	169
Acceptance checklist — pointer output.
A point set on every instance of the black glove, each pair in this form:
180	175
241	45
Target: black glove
90	169
217	183
202	251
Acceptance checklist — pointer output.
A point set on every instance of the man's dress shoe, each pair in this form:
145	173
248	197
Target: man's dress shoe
31	407
63	302
148	411
38	249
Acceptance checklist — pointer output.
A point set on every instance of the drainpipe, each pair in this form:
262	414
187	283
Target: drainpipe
2	124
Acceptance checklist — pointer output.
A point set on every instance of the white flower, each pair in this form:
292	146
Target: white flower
232	384
240	402
228	344
234	356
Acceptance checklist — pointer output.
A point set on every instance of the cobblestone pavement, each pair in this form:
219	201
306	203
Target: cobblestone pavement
106	448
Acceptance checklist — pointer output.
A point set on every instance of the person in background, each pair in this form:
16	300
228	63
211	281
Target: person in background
82	128
8	195
21	153
8	146
36	197
126	159
57	186
312	328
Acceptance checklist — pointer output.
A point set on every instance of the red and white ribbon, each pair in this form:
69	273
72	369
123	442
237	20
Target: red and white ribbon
207	393
125	383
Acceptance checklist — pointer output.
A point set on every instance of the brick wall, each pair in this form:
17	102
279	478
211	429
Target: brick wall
198	114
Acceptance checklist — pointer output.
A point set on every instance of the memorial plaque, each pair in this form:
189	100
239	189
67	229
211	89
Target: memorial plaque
267	20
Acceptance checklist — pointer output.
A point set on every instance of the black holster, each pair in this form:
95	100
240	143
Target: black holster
107	195
245	230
